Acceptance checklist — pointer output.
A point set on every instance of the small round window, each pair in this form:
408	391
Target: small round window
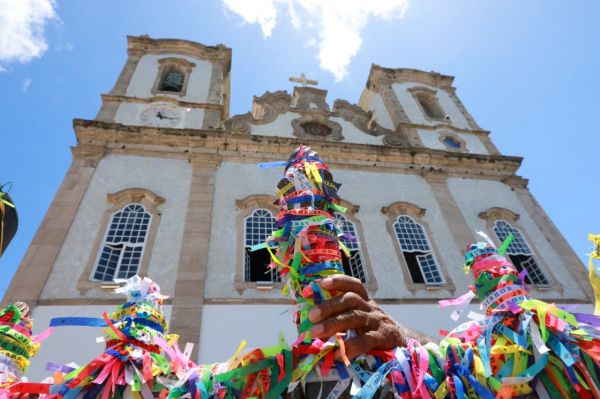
452	143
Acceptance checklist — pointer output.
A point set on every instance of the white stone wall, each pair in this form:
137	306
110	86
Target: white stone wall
129	114
414	113
371	191
69	344
167	178
381	113
260	325
282	127
225	326
430	139
476	196
146	71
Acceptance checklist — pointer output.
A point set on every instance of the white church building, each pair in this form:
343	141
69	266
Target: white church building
164	183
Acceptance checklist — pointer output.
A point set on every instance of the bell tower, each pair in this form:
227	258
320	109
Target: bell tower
170	83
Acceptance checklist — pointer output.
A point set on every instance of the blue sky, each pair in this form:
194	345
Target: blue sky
528	71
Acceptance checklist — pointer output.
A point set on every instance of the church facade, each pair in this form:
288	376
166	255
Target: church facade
164	183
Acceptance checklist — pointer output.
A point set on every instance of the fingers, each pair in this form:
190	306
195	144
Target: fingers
339	304
345	283
350	320
359	345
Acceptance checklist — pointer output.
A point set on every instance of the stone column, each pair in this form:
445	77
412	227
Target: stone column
120	88
186	314
487	143
108	110
391	102
29	280
454	218
552	234
212	119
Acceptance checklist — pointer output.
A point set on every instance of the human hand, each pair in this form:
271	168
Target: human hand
354	310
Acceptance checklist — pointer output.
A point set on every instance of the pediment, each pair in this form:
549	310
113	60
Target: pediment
315	120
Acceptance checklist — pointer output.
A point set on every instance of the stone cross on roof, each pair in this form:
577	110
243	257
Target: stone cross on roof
302	79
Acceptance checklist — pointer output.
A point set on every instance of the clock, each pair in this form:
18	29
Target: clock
160	116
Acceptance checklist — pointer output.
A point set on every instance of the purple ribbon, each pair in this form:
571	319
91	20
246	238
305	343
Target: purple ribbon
587	319
58	367
349	237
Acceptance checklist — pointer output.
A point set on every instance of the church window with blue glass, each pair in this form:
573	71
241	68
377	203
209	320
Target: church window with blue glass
452	142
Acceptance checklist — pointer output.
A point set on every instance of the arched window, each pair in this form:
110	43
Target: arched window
258	226
417	251
172	79
520	253
124	244
430	107
354	265
173	76
428	102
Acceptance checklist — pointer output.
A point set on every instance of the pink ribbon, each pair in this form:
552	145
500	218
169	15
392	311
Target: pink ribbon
300	339
461	304
42	336
17	328
165	346
423	366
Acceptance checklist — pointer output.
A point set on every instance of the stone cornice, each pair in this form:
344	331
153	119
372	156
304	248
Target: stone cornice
516	182
499	213
259	199
106	98
350	207
135	193
205	161
175	60
379	74
187	143
434	176
443	126
408	207
219	54
88	153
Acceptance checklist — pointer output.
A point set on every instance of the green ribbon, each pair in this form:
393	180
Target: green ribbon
246	370
506	243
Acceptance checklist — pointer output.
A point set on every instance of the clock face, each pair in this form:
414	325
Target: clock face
160	116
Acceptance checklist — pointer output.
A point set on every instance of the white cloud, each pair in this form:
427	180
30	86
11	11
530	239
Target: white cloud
22	25
262	12
338	23
26	84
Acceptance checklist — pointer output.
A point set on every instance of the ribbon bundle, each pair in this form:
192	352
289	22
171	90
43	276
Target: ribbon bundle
519	348
130	365
8	219
17	345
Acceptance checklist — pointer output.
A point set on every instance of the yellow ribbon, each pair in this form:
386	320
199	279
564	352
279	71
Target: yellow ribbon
594	278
